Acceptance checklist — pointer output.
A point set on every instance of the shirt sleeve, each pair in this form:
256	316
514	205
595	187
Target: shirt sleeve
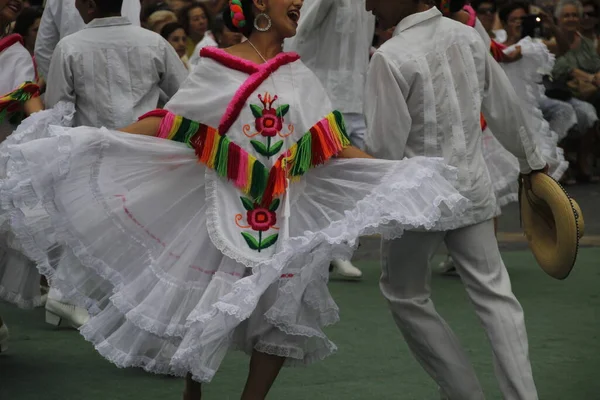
60	85
314	13
47	38
505	117
386	110
174	72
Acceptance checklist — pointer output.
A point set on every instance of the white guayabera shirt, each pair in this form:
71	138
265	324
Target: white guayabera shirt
113	72
334	38
61	19
426	88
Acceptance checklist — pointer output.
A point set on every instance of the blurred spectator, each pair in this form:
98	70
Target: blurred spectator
178	5
579	68
149	8
486	12
589	23
159	19
175	34
27	26
223	36
196	20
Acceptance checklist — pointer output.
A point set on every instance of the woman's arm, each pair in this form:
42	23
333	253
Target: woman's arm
353	152
147	126
33	105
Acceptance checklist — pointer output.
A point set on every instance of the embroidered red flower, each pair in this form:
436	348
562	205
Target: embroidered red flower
269	124
261	219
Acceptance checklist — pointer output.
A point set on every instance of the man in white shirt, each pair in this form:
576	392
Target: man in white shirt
61	19
334	39
114	73
425	90
111	70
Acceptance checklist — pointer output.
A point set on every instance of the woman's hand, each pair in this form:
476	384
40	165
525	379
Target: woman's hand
353	152
148	126
513	56
33	105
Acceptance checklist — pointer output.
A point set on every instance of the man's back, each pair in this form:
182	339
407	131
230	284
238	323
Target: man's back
61	19
113	72
435	77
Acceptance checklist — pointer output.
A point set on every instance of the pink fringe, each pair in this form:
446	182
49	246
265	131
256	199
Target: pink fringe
165	125
242	176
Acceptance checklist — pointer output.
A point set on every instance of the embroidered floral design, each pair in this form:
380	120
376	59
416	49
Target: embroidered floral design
264	187
268	123
259	219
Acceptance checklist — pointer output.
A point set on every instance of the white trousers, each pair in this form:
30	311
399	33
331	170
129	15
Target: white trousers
356	127
405	283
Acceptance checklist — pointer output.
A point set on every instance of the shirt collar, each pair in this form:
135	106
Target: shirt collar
415	19
110	21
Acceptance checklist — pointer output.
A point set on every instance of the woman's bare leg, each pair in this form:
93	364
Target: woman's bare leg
193	389
264	368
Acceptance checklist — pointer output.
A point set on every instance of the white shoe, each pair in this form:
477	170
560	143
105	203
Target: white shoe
56	311
447	267
4	336
346	269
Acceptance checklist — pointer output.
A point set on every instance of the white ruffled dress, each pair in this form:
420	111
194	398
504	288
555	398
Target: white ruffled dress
186	259
19	279
526	77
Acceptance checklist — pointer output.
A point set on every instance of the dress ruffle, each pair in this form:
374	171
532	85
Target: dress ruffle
164	291
525	76
19	278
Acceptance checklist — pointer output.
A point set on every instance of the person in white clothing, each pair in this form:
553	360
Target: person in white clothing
334	40
426	88
114	73
61	19
111	70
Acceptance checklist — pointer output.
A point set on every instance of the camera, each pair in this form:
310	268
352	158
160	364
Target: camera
532	26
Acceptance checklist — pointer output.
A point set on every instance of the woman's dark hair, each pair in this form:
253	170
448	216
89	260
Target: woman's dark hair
455	5
218	25
509	8
184	16
248	14
169	28
26	19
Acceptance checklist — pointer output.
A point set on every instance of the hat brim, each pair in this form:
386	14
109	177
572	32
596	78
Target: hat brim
552	223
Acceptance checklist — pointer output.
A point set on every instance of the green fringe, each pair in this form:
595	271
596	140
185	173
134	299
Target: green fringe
303	159
222	156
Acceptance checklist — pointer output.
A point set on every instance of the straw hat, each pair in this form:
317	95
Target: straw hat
552	221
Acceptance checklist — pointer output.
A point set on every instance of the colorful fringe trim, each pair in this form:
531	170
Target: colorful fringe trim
497	51
11	103
324	140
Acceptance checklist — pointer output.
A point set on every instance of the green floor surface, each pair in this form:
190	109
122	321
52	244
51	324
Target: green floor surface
563	321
